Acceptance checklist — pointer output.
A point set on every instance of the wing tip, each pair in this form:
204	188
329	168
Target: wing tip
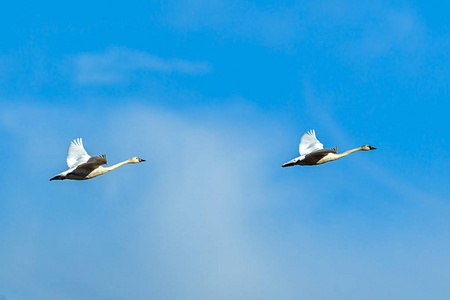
77	142
312	132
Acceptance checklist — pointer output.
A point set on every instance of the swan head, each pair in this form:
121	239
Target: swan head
367	148
135	160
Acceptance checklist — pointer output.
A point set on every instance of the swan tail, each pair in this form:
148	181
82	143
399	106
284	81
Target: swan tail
290	163
57	177
293	162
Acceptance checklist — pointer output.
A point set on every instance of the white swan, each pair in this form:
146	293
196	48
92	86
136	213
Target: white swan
82	166
312	152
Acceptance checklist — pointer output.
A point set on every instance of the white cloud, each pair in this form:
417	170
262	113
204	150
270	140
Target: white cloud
115	64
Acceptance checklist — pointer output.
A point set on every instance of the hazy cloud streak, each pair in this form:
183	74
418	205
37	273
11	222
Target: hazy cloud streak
375	29
115	64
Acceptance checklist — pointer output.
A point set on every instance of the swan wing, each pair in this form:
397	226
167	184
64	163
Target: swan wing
92	163
309	143
321	152
76	154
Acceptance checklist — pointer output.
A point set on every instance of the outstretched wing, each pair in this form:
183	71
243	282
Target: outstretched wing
309	143
76	154
321	152
93	162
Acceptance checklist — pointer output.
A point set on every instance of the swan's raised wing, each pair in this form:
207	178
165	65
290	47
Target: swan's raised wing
76	154
309	143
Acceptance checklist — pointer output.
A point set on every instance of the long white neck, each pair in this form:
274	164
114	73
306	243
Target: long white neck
340	155
113	167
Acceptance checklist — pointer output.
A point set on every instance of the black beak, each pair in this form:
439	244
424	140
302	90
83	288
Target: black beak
140	159
372	148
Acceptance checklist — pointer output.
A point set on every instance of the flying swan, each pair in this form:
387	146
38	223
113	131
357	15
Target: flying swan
312	152
82	166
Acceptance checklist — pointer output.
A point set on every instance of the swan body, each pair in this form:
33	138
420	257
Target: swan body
82	166
312	152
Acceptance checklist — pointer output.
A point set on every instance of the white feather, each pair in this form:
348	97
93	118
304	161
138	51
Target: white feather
76	155
309	143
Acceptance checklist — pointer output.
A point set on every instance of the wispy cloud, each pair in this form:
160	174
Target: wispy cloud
116	64
389	31
272	25
368	30
376	28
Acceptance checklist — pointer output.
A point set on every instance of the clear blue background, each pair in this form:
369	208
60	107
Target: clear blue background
215	95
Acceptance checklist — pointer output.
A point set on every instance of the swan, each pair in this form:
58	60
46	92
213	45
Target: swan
82	166
312	152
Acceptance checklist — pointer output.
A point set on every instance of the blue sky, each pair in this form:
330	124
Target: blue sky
215	95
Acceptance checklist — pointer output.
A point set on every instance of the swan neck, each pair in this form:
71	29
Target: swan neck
340	155
113	167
